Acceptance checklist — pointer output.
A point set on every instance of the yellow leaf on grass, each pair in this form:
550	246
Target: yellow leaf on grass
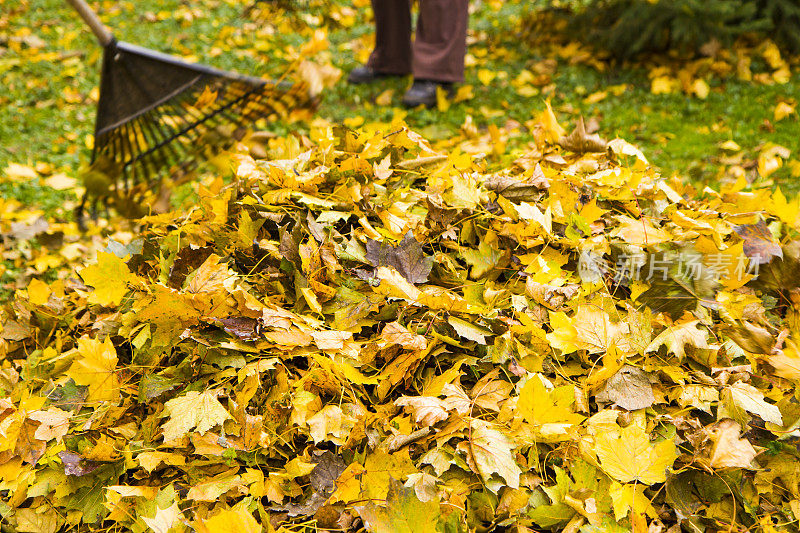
96	368
17	172
194	410
783	110
486	76
442	99
206	98
385	98
663	85
700	89
627	455
768	163
110	277
60	182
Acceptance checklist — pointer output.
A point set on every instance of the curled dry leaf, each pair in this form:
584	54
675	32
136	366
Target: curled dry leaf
579	141
728	449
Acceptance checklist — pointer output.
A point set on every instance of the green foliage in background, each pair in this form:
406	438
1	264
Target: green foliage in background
626	28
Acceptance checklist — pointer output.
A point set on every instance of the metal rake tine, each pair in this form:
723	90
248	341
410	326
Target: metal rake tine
154	141
168	146
140	157
163	140
130	177
188	130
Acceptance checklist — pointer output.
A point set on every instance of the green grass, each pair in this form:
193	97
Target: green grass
41	122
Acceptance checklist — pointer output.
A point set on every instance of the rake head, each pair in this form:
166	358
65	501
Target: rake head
158	113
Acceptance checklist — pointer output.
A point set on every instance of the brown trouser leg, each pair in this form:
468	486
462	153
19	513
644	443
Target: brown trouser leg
392	54
440	44
441	40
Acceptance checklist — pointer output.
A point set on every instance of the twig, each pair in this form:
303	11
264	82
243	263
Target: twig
396	442
411	164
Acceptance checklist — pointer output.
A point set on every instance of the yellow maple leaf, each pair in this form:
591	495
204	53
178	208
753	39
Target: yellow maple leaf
549	411
211	276
348	485
786	210
678	336
553	130
627	455
590	329
206	98
193	410
96	368
110	277
564	332
787	361
380	468
627	497
38	292
591	212
164	519
167	308
640	232
491	452
230	521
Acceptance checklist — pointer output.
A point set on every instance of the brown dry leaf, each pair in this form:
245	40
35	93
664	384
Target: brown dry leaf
728	450
629	388
427	410
759	244
580	142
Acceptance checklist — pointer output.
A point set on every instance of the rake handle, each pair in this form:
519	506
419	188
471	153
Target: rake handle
102	33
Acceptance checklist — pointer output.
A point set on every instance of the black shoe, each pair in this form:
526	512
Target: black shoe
423	92
365	74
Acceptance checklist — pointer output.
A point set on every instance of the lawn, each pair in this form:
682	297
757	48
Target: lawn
371	329
49	67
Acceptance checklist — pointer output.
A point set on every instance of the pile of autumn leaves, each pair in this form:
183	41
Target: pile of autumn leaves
362	331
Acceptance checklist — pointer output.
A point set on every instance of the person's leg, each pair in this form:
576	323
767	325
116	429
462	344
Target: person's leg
392	53
441	40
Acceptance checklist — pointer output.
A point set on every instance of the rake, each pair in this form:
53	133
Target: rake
159	112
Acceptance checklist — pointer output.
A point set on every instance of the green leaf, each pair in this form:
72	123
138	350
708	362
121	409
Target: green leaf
404	513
